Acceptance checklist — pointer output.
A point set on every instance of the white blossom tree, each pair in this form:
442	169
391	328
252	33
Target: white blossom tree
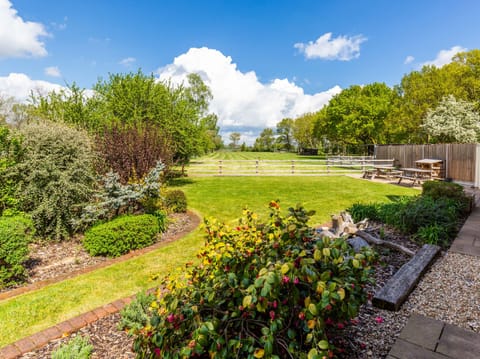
452	121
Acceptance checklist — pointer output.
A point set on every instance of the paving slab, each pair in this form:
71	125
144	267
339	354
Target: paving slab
406	350
428	337
456	342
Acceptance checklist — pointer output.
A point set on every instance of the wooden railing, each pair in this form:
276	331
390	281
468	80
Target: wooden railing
281	167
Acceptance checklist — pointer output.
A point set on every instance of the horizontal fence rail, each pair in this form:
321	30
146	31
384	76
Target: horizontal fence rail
330	166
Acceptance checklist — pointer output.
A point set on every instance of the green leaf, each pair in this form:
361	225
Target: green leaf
285	268
323	344
312	354
312	308
247	300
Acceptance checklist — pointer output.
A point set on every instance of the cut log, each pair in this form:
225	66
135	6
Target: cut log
374	240
399	286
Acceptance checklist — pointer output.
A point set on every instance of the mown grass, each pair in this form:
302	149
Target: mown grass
223	198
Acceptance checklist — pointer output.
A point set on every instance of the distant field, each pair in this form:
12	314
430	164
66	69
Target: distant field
231	155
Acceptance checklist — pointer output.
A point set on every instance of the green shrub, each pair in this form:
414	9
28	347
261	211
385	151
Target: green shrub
271	290
56	176
77	348
121	235
454	191
134	316
15	234
176	201
115	198
360	211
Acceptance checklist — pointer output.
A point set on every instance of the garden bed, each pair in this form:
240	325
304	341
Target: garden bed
57	260
370	336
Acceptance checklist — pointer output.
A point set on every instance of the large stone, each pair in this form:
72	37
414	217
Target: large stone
357	243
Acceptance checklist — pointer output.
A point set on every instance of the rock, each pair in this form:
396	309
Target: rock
357	243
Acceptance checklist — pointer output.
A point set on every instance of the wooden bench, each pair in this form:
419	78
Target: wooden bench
369	173
399	286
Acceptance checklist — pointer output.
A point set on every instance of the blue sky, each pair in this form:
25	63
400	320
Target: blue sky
264	60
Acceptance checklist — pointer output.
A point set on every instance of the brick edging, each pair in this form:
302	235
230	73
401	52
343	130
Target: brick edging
195	221
62	329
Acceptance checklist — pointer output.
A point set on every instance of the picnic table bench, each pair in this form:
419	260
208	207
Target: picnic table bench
416	175
381	171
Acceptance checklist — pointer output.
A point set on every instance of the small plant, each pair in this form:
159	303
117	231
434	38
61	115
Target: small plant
433	234
77	348
121	235
360	211
162	219
15	234
454	191
136	314
176	201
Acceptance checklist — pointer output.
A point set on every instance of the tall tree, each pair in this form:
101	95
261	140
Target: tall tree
285	134
303	131
357	115
265	142
453	121
235	138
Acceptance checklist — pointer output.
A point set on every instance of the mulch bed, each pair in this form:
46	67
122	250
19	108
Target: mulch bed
371	335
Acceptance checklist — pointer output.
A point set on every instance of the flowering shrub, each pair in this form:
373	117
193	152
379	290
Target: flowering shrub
260	290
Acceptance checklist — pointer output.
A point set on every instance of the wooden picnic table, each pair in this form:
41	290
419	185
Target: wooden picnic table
416	175
383	170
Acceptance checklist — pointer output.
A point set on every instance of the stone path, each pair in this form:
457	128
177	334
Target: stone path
428	338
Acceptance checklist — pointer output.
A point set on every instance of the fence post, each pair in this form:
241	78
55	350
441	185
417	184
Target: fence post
293	166
328	166
256	167
220	167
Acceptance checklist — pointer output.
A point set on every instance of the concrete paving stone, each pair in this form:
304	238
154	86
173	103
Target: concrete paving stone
9	352
25	345
405	350
456	342
422	331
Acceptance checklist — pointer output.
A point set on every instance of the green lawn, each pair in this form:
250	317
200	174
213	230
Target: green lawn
223	198
235	155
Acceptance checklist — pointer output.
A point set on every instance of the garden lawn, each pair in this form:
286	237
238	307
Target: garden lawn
223	198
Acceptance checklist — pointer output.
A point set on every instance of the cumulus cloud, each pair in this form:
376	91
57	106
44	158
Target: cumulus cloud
19	86
445	56
53	71
409	59
342	48
127	62
19	38
243	103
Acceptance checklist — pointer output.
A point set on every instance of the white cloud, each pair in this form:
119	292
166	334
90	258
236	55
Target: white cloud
444	56
20	86
127	62
409	59
19	38
53	71
340	48
240	100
